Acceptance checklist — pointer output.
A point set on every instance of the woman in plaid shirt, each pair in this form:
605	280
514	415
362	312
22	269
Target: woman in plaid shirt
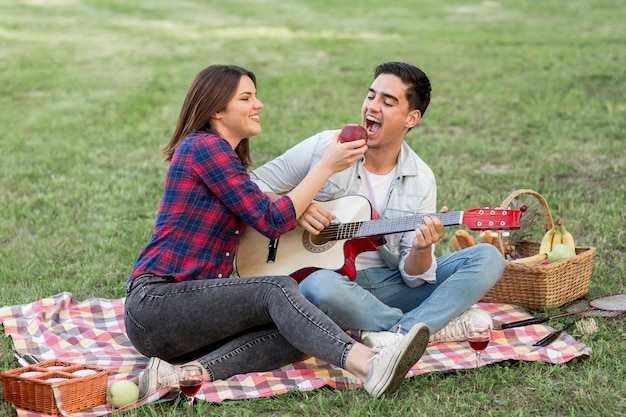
183	307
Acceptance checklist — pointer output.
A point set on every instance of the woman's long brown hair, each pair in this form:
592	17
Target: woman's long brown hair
209	93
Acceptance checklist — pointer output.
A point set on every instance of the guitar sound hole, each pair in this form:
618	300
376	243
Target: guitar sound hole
316	243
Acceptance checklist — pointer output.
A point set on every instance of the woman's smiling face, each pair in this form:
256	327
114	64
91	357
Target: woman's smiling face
241	117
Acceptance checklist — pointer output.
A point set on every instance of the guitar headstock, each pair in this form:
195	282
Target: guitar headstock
491	219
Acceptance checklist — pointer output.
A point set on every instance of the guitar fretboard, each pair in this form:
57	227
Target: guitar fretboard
385	226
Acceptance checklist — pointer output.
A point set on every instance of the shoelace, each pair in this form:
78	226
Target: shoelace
381	352
453	330
381	347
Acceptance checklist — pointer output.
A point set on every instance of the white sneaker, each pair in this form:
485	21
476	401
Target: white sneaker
158	374
378	340
392	363
458	329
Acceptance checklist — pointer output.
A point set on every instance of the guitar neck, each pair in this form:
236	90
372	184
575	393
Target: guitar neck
386	226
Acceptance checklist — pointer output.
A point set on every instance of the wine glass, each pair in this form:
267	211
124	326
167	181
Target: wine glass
479	335
190	381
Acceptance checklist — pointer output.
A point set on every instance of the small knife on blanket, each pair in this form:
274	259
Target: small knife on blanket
553	336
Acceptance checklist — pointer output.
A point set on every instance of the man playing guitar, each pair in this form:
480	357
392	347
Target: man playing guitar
401	282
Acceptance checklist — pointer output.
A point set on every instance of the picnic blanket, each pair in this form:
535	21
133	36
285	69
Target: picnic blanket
92	332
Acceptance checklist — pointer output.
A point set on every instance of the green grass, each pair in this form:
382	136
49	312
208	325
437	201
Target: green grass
525	95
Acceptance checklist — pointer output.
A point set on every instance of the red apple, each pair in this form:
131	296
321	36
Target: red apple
352	132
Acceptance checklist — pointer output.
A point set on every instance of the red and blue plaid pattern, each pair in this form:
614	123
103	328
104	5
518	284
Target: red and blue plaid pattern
208	200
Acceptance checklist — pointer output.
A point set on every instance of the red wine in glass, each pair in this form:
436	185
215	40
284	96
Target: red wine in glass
190	381
479	335
478	344
190	387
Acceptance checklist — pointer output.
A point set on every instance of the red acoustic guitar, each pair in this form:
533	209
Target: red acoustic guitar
337	246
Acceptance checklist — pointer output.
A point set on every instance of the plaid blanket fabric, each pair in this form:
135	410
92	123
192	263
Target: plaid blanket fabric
92	332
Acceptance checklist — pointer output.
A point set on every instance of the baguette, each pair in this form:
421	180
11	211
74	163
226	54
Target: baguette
464	239
455	243
486	237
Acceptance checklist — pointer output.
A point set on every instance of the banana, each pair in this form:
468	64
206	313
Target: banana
546	241
567	237
557	239
531	260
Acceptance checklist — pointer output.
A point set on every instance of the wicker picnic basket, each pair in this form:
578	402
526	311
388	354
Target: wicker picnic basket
539	287
36	392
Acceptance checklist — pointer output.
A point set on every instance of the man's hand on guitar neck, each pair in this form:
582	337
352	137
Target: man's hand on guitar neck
315	218
427	233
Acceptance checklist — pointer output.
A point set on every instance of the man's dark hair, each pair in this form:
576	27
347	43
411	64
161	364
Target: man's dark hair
418	91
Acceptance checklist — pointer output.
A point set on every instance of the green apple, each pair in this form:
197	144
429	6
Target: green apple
561	251
122	393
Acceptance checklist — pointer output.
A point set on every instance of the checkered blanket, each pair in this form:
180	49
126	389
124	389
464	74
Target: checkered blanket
92	332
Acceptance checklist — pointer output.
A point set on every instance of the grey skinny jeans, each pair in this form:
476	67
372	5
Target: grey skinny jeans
231	326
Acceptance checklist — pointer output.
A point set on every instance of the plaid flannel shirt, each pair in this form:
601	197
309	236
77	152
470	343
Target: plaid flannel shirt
208	200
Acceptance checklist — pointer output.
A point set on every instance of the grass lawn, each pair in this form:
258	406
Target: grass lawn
525	95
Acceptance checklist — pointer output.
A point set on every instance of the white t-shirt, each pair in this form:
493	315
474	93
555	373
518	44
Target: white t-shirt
414	191
376	189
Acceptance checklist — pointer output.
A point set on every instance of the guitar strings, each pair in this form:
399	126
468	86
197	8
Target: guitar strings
381	226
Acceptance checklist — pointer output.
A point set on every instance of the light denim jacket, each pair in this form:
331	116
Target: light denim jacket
413	191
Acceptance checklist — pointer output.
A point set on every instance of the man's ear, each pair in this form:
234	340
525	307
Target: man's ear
413	118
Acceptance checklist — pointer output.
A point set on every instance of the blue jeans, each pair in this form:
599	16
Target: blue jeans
231	326
379	299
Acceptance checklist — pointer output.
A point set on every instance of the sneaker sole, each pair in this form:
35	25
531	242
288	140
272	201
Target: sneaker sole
149	380
412	348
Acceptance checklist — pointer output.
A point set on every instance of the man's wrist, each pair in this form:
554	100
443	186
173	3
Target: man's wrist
422	250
